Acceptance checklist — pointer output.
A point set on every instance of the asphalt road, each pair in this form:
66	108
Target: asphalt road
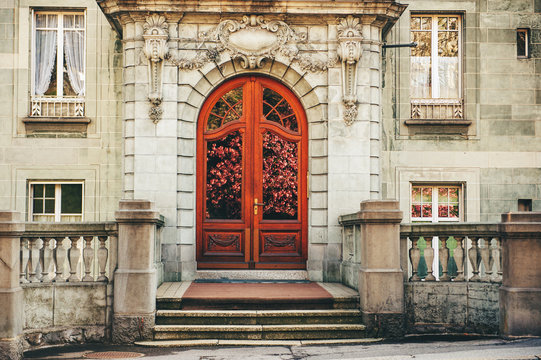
419	349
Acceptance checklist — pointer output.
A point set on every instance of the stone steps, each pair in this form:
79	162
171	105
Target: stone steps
260	317
259	332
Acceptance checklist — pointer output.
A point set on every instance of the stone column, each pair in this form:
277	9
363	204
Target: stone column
135	277
520	293
381	287
11	294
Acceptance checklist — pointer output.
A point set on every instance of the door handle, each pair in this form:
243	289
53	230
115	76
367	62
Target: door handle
256	204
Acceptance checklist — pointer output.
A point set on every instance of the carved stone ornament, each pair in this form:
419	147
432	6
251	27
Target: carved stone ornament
254	40
156	34
349	51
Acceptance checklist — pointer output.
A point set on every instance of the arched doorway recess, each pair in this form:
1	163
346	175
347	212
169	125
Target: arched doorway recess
252	151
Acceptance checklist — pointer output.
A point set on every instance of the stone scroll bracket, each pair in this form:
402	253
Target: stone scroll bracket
156	50
349	51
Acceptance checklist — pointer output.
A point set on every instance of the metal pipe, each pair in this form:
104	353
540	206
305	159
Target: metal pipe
411	44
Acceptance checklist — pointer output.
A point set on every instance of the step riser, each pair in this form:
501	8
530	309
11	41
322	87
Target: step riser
188	305
257	335
201	320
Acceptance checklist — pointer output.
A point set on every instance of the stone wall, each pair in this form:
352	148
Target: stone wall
451	308
496	157
66	313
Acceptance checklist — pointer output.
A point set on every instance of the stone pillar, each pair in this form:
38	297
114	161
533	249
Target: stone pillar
381	287
11	294
135	277
520	293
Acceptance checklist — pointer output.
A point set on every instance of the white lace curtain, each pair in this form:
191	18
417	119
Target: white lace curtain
74	49
45	59
447	79
420	77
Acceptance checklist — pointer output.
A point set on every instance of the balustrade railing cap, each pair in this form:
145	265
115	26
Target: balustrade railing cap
380	205
522	217
10	224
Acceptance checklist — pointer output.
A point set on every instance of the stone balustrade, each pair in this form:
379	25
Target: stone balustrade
452	252
68	252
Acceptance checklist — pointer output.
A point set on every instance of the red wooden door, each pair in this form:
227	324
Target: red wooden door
252	177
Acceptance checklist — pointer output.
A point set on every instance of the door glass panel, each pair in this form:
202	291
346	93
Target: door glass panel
227	109
224	177
280	178
278	110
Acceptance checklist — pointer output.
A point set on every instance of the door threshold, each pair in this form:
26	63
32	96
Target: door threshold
250	281
251	275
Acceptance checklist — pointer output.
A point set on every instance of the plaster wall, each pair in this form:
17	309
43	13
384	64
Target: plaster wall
94	155
497	159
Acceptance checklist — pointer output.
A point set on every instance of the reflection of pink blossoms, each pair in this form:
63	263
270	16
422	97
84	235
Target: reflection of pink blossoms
224	177
279	177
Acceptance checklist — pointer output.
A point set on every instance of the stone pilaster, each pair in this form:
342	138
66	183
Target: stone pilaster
11	294
135	277
520	294
381	287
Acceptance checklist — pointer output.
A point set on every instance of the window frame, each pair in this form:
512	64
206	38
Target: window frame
58	199
434	78
526	31
60	46
435	202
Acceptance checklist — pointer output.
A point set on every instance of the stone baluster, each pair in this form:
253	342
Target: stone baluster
24	260
444	258
497	258
429	258
458	255
102	258
46	258
59	259
34	259
475	258
88	256
74	255
486	258
415	257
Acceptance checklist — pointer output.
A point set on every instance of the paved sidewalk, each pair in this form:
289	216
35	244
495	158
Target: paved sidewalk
419	349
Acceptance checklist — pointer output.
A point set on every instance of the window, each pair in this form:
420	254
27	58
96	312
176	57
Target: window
435	70
56	201
58	64
436	203
523	46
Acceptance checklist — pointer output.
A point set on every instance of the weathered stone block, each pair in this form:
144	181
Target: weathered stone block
80	305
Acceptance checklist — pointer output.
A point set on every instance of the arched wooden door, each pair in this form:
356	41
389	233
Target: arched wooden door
252	155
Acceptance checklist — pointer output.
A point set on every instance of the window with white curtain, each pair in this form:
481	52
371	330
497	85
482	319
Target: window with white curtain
56	201
435	62
435	67
58	59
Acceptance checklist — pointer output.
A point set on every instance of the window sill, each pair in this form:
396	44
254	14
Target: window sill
438	126
56	126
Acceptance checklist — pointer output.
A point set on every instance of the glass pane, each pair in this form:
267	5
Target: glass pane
448	43
51	90
453	23
67	88
427	195
453	211
49	206
453	194
427	211
283	112
442	194
72	199
41	20
424	43
421	65
448	64
416	23
224	177
69	21
280	178
443	211
38	206
442	23
38	190
416	211
521	43
416	194
228	108
426	23
49	190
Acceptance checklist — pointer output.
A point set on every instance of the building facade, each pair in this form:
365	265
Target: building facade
254	125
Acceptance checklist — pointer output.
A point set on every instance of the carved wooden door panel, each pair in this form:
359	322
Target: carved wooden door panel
251	179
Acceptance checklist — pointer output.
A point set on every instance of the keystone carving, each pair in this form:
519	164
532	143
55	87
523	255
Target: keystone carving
349	51
156	50
255	40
